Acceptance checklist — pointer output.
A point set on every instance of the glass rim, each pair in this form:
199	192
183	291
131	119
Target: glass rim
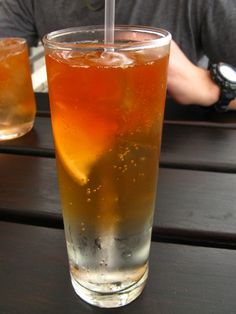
20	41
49	40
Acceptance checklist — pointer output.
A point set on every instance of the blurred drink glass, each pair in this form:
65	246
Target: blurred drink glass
17	102
107	104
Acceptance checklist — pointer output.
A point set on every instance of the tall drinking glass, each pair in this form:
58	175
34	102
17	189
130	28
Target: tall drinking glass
107	104
17	102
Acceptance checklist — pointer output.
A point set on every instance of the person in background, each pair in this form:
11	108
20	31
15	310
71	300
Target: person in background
199	28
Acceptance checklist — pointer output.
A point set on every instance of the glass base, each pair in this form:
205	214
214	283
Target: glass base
111	300
14	132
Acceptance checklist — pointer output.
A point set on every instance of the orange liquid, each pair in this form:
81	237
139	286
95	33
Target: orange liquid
107	124
17	103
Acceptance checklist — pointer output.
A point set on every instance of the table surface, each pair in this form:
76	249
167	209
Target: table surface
193	257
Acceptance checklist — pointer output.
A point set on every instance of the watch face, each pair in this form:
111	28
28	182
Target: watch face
228	72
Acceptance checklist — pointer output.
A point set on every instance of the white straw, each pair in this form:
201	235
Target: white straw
109	21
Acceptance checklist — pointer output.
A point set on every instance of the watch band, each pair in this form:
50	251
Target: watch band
222	105
228	88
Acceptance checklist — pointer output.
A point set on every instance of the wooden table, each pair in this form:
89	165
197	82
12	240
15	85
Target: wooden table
193	257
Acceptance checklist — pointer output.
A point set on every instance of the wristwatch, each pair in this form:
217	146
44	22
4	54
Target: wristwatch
224	75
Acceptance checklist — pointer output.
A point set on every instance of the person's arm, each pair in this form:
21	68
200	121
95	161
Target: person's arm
189	84
17	20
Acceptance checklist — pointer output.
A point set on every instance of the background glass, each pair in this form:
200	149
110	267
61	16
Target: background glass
17	102
107	105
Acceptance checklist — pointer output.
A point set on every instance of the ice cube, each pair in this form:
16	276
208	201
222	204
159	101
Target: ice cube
94	58
115	59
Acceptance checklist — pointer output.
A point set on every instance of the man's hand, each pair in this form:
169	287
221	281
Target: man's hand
232	104
189	84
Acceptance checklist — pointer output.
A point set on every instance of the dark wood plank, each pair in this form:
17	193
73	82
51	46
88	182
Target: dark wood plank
38	141
174	112
191	205
184	146
195	206
29	190
192	113
198	147
183	279
42	103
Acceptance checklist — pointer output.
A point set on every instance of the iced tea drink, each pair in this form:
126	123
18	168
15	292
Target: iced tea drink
107	107
17	102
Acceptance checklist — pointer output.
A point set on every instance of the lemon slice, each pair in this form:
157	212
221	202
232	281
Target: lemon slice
82	142
78	164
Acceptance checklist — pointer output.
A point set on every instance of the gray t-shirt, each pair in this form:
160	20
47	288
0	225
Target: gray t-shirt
200	27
